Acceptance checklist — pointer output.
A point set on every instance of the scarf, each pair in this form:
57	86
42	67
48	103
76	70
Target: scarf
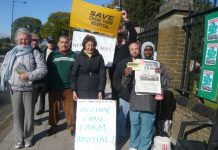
7	65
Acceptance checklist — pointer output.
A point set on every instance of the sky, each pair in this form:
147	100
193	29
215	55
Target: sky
39	9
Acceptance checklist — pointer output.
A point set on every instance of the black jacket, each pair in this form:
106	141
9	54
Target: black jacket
122	52
88	75
122	84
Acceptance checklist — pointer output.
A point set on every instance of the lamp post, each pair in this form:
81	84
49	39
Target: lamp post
12	15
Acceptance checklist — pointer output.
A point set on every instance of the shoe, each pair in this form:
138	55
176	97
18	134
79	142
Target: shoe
132	148
72	132
37	123
51	131
19	145
28	144
40	112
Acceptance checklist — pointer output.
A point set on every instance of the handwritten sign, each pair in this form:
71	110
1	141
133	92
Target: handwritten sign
105	45
95	125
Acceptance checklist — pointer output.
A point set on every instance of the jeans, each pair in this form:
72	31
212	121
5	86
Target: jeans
122	118
141	129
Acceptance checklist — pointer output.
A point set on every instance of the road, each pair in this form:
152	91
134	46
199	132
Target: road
5	110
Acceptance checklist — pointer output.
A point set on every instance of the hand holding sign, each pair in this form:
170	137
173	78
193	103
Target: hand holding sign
124	15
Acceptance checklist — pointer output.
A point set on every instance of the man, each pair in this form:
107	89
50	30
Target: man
123	87
39	84
122	50
46	52
59	66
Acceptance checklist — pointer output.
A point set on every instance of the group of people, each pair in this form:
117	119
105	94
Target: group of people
68	77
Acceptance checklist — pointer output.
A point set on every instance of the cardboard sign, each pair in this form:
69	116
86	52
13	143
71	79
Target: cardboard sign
94	18
105	45
95	125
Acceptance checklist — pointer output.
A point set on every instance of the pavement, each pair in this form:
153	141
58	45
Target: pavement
59	141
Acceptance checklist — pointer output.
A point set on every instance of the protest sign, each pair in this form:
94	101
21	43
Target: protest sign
105	45
94	18
95	125
147	80
209	70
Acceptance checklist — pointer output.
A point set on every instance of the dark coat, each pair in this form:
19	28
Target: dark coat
122	52
147	102
88	75
122	84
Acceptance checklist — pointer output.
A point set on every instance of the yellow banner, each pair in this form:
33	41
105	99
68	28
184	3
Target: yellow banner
94	18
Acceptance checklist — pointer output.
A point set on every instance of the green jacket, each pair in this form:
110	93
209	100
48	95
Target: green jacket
59	68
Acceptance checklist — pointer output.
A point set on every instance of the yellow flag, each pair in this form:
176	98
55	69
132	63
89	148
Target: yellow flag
94	18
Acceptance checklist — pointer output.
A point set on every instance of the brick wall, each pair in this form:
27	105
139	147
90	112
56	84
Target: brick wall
185	113
171	45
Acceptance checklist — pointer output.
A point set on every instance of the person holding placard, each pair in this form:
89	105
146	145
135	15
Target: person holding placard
88	78
122	48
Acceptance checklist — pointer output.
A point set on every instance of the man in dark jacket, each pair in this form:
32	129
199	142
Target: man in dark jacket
122	85
122	48
50	48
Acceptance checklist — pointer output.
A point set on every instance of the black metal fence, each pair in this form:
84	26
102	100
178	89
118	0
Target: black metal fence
149	32
194	28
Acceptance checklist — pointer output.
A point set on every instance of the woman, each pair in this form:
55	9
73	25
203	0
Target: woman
22	65
88	73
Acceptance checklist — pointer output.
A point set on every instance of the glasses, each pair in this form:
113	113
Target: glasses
34	40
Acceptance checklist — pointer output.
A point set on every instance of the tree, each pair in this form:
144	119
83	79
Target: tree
57	25
139	11
32	24
5	44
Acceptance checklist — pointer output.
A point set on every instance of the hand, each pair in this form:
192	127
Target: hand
158	70
24	76
100	95
127	71
124	15
75	97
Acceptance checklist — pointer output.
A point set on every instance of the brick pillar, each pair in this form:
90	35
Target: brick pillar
171	38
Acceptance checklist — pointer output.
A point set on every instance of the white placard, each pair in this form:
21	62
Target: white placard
105	45
95	125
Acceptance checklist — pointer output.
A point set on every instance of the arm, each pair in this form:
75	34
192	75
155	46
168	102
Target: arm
41	68
102	76
130	28
74	74
117	78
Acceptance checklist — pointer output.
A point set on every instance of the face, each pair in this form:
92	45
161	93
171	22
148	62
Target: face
50	45
148	52
134	50
34	43
63	45
23	39
89	47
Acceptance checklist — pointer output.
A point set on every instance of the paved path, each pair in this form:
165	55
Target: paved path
60	141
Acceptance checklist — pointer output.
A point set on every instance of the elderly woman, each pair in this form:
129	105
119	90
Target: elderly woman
88	73
22	65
